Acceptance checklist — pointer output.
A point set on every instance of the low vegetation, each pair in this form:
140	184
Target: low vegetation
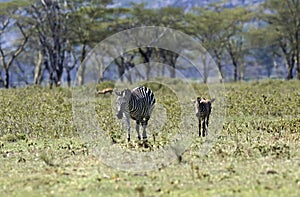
256	153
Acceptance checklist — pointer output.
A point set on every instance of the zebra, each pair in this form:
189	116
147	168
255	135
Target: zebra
203	108
137	105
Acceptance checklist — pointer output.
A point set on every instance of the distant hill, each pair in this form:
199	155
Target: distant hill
186	4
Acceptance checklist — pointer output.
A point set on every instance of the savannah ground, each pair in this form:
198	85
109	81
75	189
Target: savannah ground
255	154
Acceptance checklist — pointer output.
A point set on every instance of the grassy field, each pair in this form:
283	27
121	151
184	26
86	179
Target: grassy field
256	153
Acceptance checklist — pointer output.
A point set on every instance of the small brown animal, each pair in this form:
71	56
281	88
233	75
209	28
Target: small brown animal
105	91
203	109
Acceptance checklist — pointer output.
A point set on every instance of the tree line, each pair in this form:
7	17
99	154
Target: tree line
45	39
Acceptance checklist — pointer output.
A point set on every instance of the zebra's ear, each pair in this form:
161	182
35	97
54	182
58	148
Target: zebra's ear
193	100
212	100
126	93
117	92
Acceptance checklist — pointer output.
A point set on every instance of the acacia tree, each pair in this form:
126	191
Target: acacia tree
235	44
208	26
56	33
9	23
284	27
219	30
50	22
91	22
125	62
140	16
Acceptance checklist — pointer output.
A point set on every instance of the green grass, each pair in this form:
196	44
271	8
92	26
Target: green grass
255	154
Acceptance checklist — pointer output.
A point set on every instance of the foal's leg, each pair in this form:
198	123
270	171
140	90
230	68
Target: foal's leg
203	128
207	121
199	126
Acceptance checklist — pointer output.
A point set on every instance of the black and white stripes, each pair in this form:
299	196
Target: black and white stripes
136	104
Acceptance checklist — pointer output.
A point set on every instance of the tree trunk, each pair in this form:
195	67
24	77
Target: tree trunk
235	72
146	55
51	79
205	69
80	74
121	67
162	73
297	55
298	71
235	67
129	77
81	70
1	80
289	59
37	72
290	72
59	73
170	59
219	65
241	71
68	78
6	82
172	71
148	70
290	66
220	70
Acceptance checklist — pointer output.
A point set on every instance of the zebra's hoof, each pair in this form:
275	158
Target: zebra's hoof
128	139
144	138
139	137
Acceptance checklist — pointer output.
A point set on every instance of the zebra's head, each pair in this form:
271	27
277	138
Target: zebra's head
202	102
198	106
122	101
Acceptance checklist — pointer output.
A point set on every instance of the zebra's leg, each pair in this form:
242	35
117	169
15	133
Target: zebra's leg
138	130
127	119
144	124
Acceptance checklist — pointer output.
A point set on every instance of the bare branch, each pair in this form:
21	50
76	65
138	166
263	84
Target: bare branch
20	47
2	57
4	24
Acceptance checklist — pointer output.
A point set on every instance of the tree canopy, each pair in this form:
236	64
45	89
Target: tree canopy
52	38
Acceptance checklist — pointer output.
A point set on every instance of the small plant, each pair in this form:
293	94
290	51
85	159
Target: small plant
48	158
13	137
140	190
